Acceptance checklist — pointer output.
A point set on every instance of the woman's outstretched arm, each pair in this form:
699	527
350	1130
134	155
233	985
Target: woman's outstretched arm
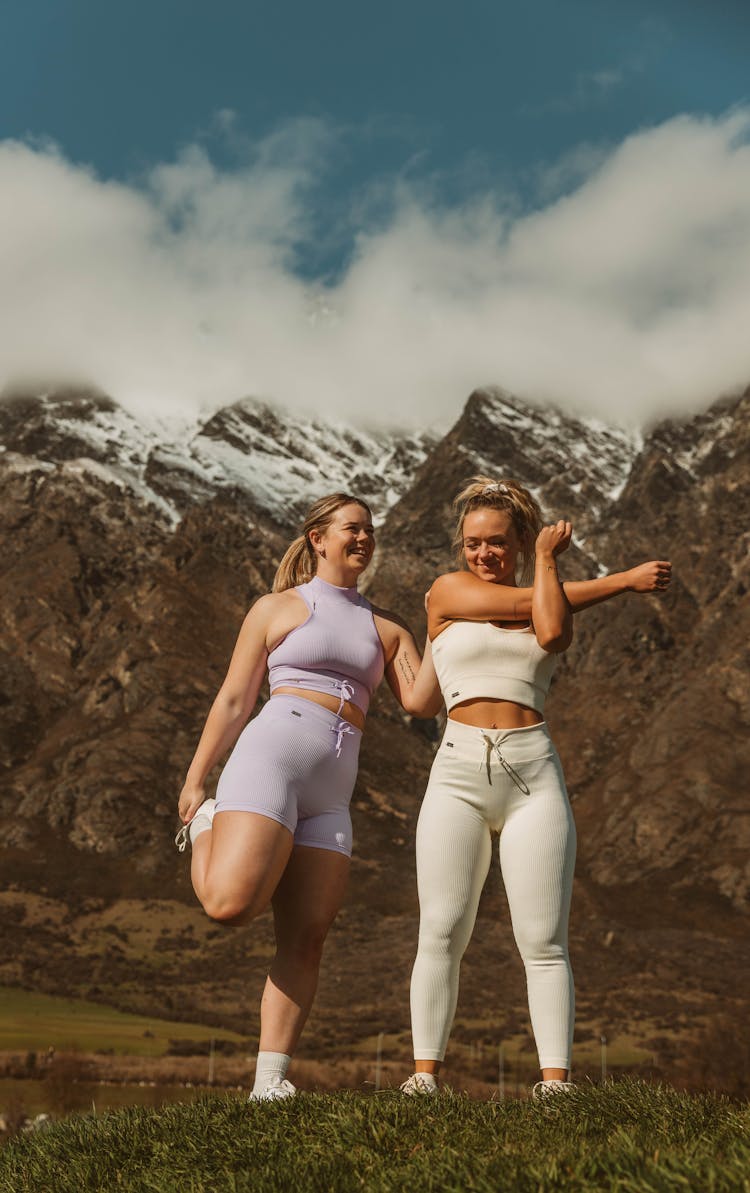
462	596
654	576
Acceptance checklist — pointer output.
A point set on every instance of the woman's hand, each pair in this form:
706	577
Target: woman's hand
191	798
553	540
654	576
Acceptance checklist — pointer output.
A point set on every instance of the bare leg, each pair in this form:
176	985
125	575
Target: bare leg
237	865
427	1066
305	904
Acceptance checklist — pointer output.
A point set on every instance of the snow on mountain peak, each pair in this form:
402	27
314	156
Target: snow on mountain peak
282	462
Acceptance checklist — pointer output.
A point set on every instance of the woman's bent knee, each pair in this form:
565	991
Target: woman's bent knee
226	908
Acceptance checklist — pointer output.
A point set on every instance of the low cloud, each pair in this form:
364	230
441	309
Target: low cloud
628	297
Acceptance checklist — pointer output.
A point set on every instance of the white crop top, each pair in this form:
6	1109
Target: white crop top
477	660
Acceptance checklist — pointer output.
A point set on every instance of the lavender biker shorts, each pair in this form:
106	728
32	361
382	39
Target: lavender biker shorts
296	763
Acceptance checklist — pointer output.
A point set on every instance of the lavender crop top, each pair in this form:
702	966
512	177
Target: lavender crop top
336	650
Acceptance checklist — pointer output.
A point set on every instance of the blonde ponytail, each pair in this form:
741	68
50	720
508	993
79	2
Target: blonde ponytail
299	563
482	492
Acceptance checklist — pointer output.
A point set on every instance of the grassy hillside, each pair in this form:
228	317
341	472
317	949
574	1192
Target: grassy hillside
630	1137
38	1021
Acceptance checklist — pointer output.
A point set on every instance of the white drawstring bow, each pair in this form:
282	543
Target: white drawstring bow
493	747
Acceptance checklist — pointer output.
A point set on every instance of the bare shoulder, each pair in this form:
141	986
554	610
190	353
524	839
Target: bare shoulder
450	580
288	599
449	583
271	604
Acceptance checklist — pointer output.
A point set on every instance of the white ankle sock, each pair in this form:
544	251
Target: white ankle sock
203	819
270	1067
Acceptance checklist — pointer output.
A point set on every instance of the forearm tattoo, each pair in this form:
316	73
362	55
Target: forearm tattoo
406	668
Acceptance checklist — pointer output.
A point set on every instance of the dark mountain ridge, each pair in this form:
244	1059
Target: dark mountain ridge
130	556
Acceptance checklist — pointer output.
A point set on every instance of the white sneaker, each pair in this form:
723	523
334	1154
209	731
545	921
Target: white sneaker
202	820
419	1084
274	1091
551	1088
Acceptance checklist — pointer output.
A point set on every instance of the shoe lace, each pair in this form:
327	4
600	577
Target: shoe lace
546	1089
416	1083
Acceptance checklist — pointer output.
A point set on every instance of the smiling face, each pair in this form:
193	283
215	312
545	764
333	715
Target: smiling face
491	545
348	542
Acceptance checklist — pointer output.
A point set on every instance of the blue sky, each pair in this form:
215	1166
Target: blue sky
464	94
371	108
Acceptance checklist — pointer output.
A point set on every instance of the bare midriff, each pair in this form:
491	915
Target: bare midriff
349	712
495	714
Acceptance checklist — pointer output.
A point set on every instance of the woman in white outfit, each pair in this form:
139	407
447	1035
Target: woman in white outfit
494	647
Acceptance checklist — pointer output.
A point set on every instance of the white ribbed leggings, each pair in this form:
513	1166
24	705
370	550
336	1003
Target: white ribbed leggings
511	781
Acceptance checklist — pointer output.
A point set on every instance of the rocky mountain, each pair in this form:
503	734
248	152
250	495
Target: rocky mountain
120	561
673	808
574	468
273	461
131	551
652	679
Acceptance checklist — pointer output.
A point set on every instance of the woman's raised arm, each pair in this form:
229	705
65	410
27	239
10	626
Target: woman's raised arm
550	611
463	597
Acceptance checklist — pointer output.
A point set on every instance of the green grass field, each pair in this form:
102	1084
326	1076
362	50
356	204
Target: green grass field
628	1137
39	1021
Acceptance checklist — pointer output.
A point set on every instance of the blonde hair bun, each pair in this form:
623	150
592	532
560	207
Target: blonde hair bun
485	492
